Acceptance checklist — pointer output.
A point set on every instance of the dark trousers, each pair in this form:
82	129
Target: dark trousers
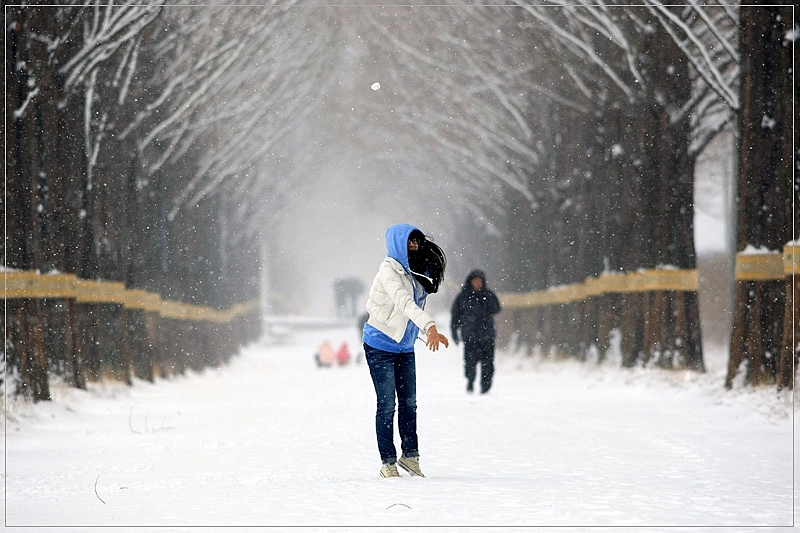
480	351
394	374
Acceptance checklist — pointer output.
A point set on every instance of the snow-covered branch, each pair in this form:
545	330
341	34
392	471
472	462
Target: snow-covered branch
111	26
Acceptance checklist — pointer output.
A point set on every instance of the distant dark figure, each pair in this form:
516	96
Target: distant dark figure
346	292
473	313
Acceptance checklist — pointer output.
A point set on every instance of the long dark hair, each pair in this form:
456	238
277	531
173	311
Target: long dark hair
428	265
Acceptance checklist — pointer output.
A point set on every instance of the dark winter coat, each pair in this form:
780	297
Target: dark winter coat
473	312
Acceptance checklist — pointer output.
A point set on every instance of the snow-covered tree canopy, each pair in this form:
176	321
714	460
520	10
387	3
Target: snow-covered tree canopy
223	85
164	144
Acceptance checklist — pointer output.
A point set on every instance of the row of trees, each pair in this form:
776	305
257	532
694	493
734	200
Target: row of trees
150	143
582	140
125	120
136	131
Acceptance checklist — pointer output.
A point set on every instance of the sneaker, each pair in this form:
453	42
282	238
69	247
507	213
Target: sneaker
389	470
411	465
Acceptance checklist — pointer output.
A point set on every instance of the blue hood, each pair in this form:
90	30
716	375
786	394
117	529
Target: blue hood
397	242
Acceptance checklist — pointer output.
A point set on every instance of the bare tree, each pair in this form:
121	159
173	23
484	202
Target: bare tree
764	319
115	108
500	115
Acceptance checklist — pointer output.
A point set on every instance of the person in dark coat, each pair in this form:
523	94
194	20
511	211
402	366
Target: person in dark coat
473	314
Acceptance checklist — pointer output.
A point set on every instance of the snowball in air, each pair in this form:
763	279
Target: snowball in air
375	86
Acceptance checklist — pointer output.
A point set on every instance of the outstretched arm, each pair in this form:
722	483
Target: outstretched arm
434	338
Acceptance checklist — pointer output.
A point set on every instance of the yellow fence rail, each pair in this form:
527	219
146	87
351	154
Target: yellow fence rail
29	284
640	281
749	267
764	266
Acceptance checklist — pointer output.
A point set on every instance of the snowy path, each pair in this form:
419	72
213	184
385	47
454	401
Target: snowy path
270	440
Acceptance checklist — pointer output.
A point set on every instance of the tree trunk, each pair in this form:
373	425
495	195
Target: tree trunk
766	188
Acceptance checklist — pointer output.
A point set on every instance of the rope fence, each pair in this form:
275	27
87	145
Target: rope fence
760	266
766	317
34	285
58	325
750	266
640	281
647	305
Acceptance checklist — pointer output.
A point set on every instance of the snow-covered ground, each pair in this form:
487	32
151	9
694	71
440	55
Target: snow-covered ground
272	440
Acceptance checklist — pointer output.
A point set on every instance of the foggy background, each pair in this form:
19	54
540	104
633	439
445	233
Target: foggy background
219	153
362	172
361	175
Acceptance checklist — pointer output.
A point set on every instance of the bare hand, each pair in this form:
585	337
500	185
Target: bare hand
434	338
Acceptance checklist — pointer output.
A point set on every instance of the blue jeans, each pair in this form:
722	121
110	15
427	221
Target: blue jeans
394	374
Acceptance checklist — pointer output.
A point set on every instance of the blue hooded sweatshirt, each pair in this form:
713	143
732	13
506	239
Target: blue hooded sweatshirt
397	249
